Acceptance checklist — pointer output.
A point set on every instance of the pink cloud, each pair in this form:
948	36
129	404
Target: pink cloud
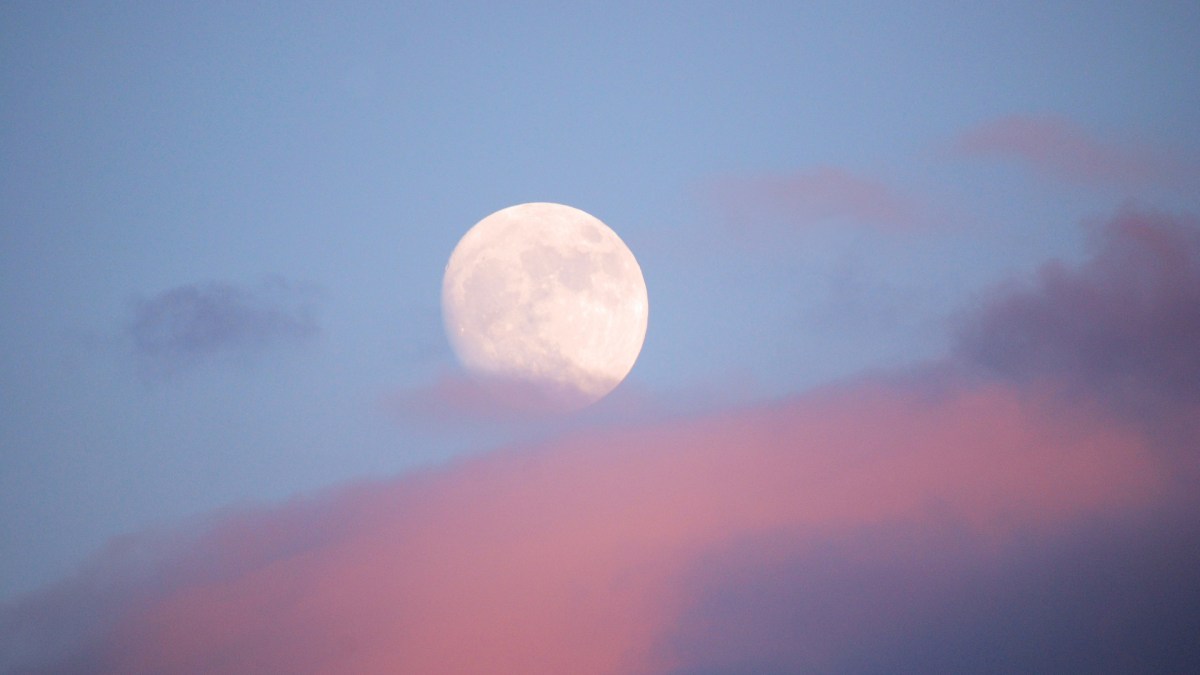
1060	148
819	196
573	556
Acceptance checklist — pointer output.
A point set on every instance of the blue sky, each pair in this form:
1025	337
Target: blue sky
308	167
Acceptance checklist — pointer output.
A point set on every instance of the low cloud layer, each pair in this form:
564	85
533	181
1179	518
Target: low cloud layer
189	324
972	515
578	556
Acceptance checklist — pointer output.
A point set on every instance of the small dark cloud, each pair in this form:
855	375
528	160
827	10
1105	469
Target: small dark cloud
193	323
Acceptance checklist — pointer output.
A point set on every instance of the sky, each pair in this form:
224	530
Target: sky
920	390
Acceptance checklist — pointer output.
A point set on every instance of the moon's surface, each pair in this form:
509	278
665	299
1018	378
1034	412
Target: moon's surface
548	297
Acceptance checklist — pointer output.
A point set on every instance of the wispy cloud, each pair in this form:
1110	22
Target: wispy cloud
1060	148
460	401
820	196
195	322
454	397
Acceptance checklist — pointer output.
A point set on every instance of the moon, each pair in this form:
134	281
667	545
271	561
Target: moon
549	298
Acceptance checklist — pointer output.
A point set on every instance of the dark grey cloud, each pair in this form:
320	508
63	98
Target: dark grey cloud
196	322
1115	595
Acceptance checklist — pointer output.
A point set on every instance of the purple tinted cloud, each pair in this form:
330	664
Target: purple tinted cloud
1060	148
194	322
1124	325
1118	595
818	196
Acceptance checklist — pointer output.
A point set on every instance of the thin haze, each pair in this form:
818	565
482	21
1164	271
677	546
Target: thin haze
918	392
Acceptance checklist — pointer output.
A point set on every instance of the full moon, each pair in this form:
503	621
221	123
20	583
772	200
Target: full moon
548	298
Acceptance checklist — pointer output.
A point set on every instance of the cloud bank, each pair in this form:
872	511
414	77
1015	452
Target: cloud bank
979	514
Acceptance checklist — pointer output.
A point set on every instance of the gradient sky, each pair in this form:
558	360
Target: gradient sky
924	290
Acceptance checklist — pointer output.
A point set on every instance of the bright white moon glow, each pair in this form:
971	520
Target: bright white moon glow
546	295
